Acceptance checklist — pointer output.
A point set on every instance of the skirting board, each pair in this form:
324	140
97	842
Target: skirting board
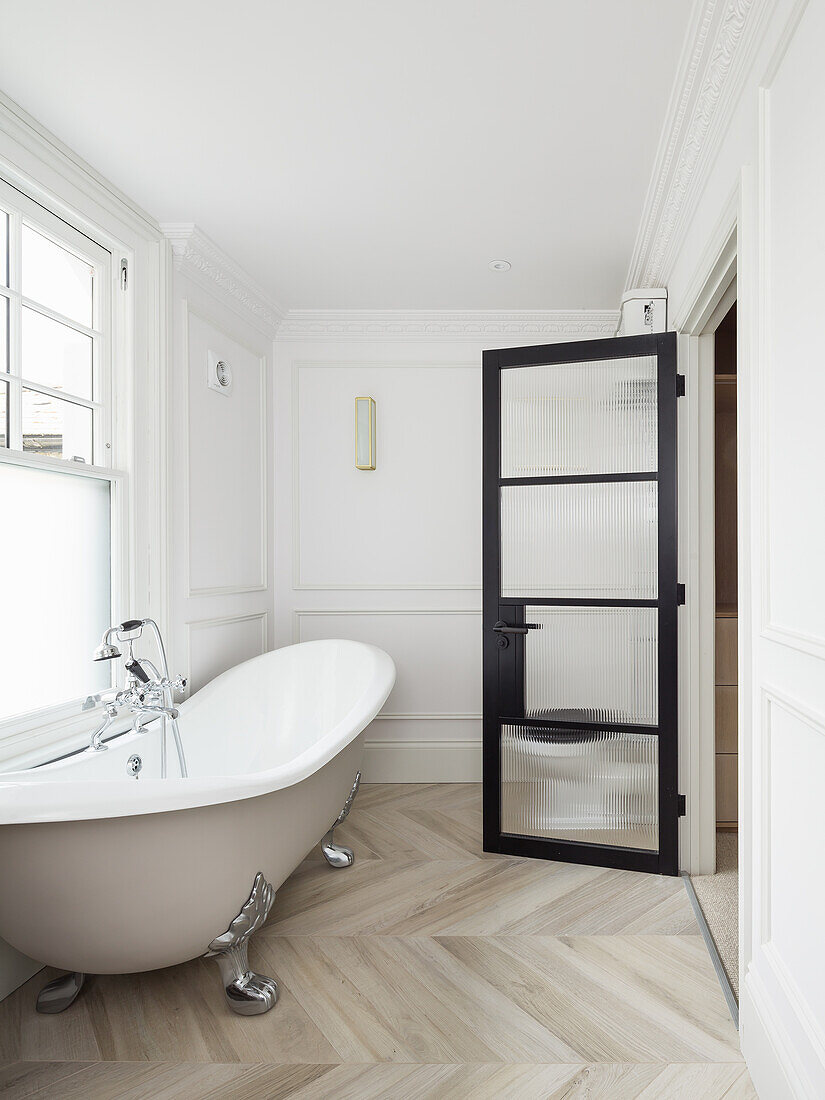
766	1047
14	969
422	762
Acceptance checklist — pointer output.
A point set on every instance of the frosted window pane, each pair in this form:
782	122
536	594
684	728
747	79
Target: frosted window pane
56	601
592	540
4	334
600	788
56	278
592	664
56	356
4	249
4	414
58	429
579	418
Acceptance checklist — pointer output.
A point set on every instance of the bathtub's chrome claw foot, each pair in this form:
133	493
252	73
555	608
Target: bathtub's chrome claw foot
58	994
337	855
246	992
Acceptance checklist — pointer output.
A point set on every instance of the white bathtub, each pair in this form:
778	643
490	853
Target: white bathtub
103	873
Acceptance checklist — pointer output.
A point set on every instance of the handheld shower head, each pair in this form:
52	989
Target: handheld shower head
105	652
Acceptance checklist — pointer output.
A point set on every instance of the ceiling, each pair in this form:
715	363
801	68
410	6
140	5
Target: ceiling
370	154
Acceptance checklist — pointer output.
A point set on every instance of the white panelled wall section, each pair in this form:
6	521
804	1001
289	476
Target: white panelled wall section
221	507
392	556
741	166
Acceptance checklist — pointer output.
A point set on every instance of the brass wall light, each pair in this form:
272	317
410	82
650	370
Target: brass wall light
364	433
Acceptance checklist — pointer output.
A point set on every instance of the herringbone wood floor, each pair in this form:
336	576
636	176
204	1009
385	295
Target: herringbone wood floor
428	969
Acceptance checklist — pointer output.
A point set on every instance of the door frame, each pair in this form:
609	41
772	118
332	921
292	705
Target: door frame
663	345
711	291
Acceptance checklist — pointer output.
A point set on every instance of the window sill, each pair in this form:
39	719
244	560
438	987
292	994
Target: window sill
26	742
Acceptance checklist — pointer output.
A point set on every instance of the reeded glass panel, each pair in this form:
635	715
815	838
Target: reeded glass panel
56	355
593	540
56	540
579	418
592	664
55	428
599	788
56	278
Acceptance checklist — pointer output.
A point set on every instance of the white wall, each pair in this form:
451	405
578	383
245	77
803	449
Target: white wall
765	168
220	499
393	556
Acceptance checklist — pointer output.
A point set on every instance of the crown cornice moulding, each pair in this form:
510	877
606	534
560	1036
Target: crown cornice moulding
477	325
197	254
22	137
710	75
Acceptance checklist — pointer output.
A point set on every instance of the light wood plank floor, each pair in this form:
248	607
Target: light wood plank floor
428	969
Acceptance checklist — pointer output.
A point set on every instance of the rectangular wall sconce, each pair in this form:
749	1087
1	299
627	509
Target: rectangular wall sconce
364	433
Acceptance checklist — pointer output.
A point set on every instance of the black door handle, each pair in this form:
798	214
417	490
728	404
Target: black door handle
511	628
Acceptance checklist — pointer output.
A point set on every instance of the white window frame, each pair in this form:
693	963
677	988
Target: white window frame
47	173
22	210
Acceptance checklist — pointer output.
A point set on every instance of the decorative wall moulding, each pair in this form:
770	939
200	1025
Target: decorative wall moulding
477	325
195	626
298	614
200	257
422	761
710	76
261	582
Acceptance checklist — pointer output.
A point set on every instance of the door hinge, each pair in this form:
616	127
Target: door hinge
680	595
682	805
680	385
124	274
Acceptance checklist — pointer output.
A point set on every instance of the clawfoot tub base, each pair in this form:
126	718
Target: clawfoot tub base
337	855
247	993
58	994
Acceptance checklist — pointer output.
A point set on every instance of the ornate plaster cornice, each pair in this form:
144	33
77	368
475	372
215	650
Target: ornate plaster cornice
200	258
444	324
197	254
709	79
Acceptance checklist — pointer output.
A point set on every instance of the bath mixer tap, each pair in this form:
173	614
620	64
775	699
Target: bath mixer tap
148	693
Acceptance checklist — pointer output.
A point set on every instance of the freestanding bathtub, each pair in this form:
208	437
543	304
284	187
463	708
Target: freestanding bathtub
105	873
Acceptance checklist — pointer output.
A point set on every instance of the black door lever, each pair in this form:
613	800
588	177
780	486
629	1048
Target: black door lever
513	628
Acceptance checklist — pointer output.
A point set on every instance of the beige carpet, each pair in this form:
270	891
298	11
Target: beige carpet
719	897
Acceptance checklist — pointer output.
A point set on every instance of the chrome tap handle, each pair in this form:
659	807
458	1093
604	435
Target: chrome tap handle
137	670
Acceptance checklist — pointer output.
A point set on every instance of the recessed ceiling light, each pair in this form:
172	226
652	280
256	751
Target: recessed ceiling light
499	265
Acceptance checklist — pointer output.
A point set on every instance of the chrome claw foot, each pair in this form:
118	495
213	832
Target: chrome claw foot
246	992
337	855
58	994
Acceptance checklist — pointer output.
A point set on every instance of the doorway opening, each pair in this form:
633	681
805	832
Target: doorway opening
718	893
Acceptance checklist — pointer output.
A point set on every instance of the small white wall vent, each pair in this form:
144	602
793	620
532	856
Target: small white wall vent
218	373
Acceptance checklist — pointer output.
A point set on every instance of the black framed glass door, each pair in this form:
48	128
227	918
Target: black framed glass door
580	602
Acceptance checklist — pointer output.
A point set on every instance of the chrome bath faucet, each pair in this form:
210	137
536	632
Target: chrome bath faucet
147	693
